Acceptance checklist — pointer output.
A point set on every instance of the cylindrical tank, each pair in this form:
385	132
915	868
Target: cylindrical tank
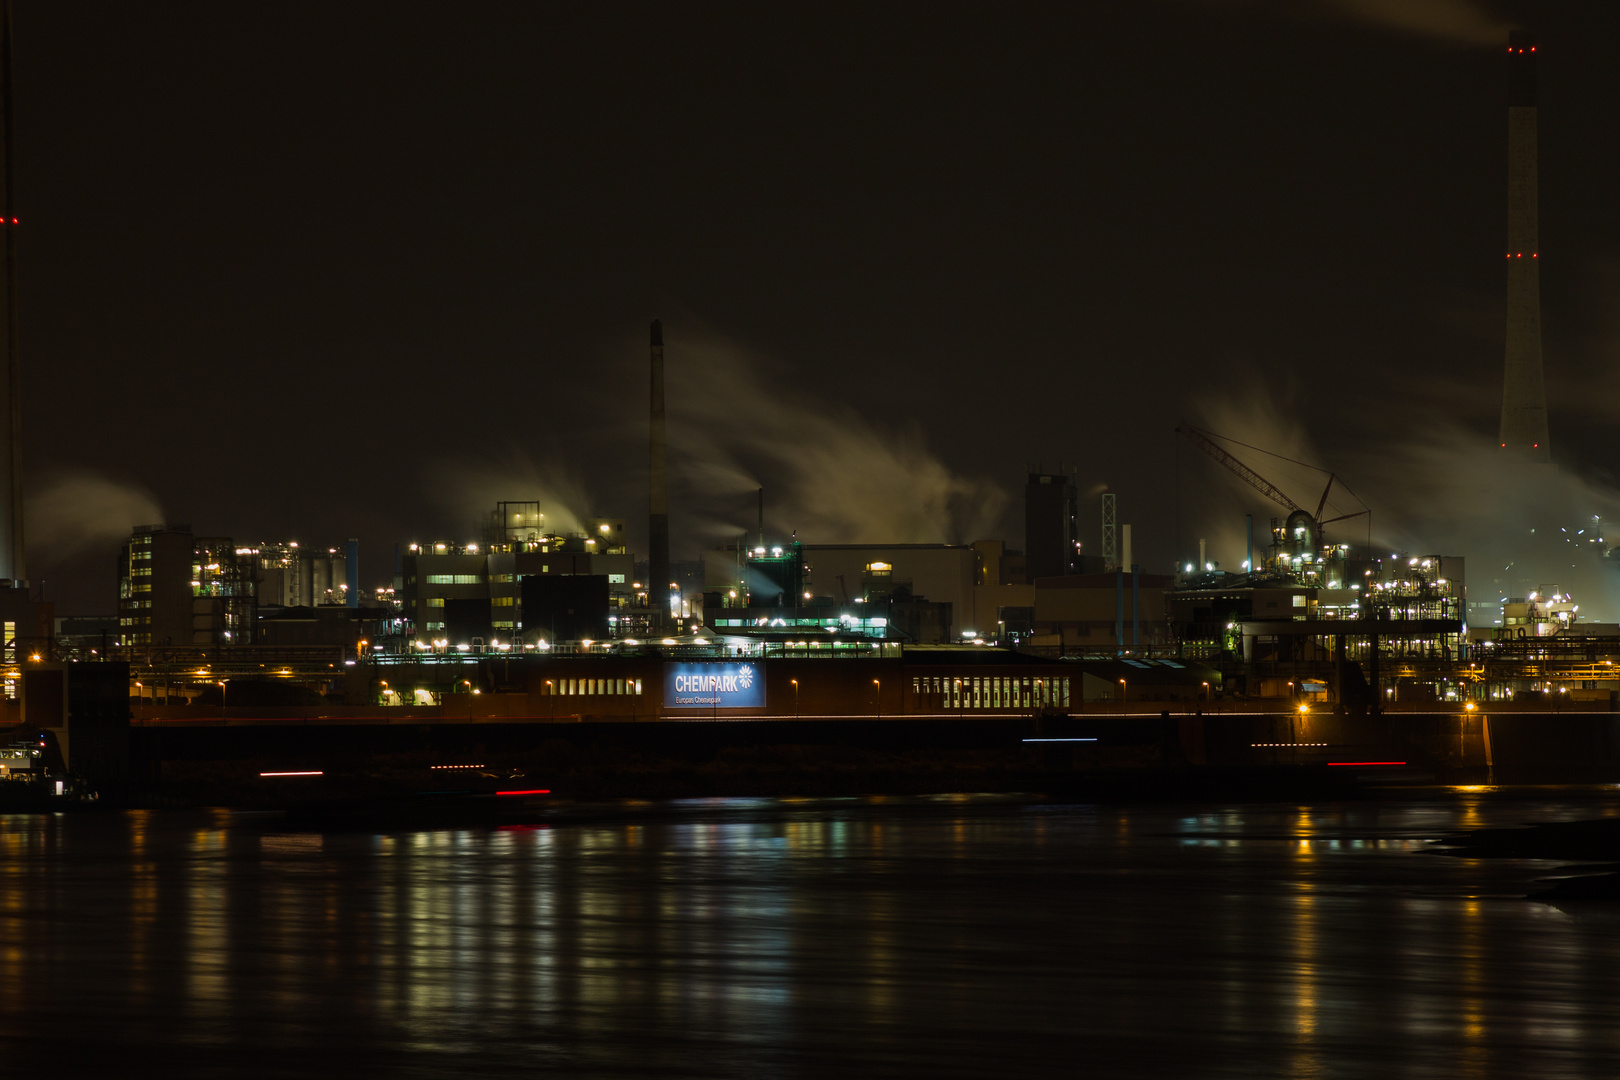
1301	533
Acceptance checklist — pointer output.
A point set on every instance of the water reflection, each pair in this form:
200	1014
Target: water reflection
750	937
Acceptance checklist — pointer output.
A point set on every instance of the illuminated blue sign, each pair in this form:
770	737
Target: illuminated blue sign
714	686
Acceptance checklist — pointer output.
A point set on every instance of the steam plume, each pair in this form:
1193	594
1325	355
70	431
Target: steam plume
846	479
78	511
1442	489
470	488
1460	22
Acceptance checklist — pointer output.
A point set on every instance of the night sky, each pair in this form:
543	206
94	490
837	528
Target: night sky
311	271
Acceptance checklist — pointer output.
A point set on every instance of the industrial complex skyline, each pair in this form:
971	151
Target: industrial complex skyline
924	253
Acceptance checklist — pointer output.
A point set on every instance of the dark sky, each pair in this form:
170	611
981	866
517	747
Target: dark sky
309	271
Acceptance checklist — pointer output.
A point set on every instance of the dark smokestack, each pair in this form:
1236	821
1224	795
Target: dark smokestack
658	486
13	555
1524	391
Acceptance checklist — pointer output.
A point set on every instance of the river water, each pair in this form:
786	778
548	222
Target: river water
948	937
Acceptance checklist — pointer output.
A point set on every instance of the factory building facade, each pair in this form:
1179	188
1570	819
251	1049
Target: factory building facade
463	595
1051	525
178	589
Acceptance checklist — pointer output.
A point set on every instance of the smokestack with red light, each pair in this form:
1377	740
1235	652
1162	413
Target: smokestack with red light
13	560
1524	391
658	486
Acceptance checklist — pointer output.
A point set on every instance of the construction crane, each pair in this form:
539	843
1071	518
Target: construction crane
1301	524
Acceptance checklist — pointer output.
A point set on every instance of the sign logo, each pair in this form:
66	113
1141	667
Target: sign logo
713	686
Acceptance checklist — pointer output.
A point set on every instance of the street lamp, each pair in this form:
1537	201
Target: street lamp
551	702
878	705
795	683
1122	692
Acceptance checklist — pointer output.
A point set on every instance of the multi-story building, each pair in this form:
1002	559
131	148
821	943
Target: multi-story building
178	589
1051	528
456	594
154	586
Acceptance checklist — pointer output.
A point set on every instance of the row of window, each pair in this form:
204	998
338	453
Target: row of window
993	691
588	687
453	579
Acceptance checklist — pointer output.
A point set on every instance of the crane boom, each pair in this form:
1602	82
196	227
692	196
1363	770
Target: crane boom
1248	475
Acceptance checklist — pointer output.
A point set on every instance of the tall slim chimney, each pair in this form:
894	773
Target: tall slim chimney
658	486
13	555
1524	391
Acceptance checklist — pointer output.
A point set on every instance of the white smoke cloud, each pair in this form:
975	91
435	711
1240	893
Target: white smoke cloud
469	488
77	511
1438	489
1460	22
1522	526
1454	22
842	478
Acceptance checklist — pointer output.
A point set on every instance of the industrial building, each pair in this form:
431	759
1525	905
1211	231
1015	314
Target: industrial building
1051	525
175	588
293	576
465	594
916	593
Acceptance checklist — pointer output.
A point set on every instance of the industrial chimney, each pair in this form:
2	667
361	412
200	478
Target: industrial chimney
1524	392
13	561
658	486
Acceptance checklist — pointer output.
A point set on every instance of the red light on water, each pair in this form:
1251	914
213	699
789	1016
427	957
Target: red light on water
536	791
1366	763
